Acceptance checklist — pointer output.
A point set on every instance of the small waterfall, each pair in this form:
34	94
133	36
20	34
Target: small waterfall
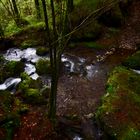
10	83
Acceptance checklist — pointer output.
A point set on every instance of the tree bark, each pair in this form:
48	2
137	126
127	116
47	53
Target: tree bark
70	5
37	9
16	12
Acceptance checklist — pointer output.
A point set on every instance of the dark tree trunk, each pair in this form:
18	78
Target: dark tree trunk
70	5
1	32
37	9
52	96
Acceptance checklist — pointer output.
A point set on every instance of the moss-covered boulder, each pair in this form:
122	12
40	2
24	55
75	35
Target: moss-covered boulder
120	109
133	61
14	68
43	67
31	90
10	69
28	82
42	51
28	44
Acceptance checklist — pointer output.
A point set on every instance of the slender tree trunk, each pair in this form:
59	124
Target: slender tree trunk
52	96
1	32
37	6
16	12
70	5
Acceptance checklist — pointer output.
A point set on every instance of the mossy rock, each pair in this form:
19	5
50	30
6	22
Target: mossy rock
14	68
120	109
133	61
10	69
28	44
42	51
28	82
33	96
43	67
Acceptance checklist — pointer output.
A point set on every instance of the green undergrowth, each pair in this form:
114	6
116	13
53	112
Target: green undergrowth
120	107
10	109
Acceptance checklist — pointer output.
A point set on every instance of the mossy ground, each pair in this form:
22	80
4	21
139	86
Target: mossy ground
120	107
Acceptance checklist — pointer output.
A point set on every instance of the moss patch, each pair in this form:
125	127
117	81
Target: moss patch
10	69
42	51
43	67
133	61
120	109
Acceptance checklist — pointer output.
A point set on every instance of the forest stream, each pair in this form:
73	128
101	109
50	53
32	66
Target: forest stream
81	86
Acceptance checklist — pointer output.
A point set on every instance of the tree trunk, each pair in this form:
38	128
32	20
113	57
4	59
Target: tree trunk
16	12
37	9
52	96
1	32
70	5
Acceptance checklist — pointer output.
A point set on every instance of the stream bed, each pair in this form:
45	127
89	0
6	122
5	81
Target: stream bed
81	84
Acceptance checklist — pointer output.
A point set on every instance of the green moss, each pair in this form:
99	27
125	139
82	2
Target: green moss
14	68
10	69
42	51
120	107
33	96
133	61
6	100
28	82
28	44
93	45
131	134
43	67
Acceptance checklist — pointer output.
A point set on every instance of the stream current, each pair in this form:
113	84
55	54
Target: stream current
71	64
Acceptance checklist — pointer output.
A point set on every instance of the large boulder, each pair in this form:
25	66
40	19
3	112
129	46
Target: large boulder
120	109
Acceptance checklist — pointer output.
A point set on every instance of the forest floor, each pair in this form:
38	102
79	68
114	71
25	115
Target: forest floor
79	96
